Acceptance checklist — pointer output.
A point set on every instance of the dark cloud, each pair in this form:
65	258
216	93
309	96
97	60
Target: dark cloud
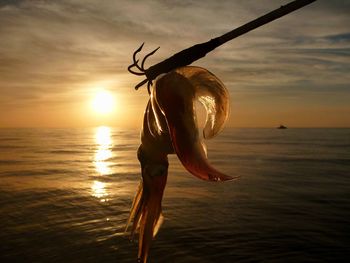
10	2
339	38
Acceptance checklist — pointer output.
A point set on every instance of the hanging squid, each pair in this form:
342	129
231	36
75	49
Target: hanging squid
170	124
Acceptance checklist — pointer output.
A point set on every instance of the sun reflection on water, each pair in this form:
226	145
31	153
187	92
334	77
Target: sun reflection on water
103	136
99	191
103	153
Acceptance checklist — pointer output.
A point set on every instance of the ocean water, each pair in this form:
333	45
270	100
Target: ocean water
65	196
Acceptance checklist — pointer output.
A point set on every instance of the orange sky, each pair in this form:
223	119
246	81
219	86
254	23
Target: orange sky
56	56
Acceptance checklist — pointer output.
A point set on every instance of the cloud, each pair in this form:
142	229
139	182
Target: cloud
56	50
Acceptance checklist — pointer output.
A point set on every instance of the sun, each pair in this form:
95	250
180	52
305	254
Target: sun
103	102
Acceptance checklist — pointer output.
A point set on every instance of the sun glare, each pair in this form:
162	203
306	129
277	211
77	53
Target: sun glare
103	102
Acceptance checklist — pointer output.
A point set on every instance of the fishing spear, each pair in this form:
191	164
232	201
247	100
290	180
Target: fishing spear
191	54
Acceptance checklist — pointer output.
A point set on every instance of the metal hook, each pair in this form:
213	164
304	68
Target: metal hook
142	70
148	55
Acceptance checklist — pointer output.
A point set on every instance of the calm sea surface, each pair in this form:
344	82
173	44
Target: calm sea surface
65	196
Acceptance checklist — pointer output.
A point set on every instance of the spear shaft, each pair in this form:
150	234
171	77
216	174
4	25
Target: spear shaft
191	54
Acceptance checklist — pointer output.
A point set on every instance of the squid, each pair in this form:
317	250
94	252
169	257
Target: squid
170	123
170	127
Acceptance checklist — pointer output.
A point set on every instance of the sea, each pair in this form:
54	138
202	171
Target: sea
65	196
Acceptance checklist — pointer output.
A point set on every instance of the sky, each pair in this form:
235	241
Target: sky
55	56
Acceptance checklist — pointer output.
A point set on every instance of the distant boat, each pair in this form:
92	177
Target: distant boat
282	127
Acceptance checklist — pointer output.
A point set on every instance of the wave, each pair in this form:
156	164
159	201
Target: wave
68	151
40	172
10	161
5	147
308	160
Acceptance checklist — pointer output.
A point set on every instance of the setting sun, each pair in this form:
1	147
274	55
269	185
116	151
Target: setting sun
103	102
